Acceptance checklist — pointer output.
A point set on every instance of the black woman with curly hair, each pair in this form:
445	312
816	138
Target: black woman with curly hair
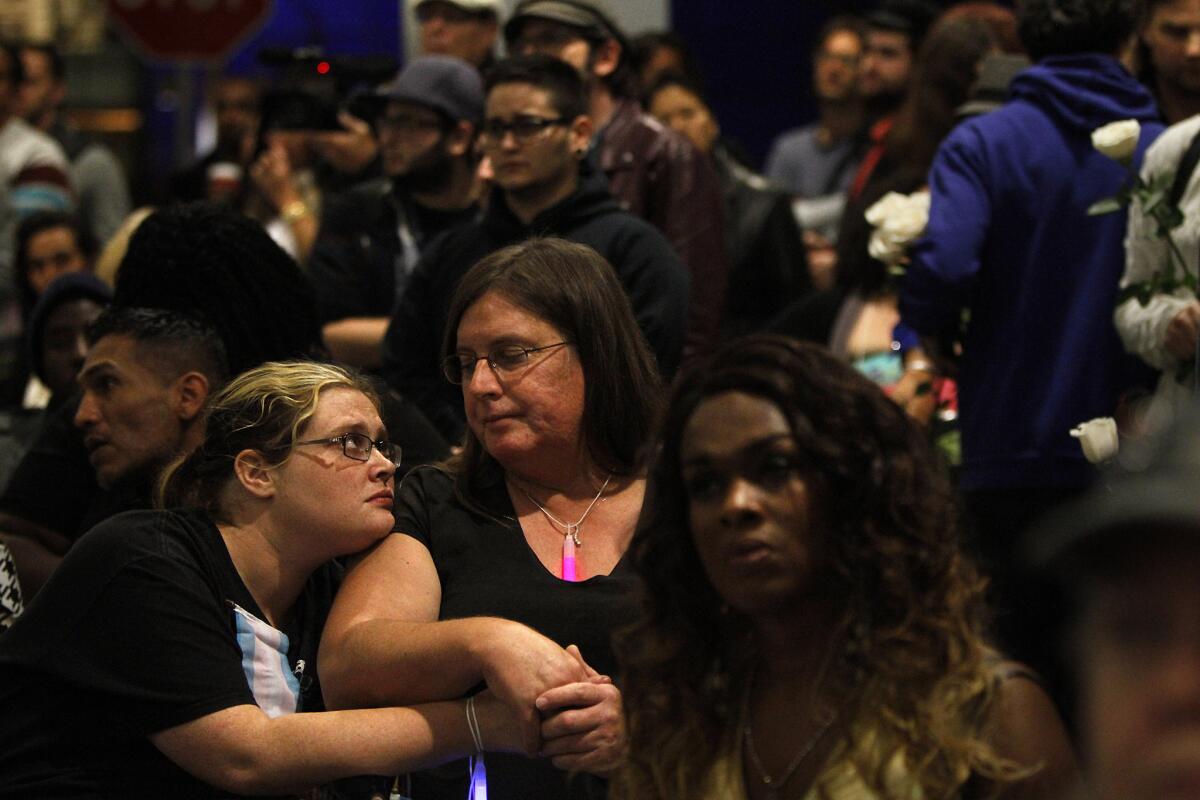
810	628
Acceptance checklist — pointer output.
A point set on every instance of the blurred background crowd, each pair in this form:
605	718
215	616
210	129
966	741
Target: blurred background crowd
986	210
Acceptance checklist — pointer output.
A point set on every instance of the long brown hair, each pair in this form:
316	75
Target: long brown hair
910	649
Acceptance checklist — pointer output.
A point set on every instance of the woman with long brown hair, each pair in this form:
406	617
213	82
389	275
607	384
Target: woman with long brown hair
514	550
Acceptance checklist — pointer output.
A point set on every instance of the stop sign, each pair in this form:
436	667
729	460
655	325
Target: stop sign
188	30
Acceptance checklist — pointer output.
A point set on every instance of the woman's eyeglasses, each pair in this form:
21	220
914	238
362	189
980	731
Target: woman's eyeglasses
509	358
358	446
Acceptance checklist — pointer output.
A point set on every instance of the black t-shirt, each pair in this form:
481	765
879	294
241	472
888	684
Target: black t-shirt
357	263
136	632
53	484
487	568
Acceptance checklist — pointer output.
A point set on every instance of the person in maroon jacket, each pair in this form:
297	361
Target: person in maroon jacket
654	172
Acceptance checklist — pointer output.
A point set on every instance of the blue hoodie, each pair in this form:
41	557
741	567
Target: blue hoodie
1009	240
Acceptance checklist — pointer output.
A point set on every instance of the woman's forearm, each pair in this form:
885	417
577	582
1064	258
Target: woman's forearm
381	662
242	750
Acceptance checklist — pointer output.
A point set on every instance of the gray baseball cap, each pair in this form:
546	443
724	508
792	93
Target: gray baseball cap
444	83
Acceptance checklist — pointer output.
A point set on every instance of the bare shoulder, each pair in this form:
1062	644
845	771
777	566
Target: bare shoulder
1027	729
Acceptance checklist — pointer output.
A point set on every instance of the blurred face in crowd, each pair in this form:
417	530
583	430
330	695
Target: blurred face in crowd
566	43
661	60
9	102
41	93
751	507
237	110
64	346
448	30
412	140
835	73
1172	38
537	154
300	145
129	413
1139	655
50	253
684	112
886	64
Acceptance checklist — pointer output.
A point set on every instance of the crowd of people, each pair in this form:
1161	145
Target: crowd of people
502	429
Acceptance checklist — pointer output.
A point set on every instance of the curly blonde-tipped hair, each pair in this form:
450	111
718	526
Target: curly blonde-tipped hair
912	675
263	409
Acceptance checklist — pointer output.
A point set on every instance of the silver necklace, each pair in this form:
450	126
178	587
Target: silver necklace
570	529
773	786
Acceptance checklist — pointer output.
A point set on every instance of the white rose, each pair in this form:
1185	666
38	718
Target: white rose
899	221
1098	438
885	206
1117	140
885	248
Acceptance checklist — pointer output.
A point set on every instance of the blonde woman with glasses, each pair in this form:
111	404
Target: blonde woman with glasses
173	653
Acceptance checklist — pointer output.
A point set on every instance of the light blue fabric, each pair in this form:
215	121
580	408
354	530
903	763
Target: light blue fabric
265	664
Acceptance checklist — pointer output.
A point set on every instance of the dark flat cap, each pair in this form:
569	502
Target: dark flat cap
591	17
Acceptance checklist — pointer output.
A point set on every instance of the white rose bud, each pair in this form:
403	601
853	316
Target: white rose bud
1098	438
1117	140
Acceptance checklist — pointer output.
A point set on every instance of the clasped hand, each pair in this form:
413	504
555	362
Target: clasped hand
583	727
565	710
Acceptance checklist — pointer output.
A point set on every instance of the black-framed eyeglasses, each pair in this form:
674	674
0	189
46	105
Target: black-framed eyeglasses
358	446
509	358
523	128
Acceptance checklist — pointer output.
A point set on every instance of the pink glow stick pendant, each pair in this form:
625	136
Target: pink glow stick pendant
568	557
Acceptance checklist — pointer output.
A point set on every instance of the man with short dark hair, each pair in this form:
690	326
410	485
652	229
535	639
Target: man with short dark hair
654	172
1010	240
465	29
145	380
101	189
820	159
895	32
219	174
1169	52
372	236
535	132
33	169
